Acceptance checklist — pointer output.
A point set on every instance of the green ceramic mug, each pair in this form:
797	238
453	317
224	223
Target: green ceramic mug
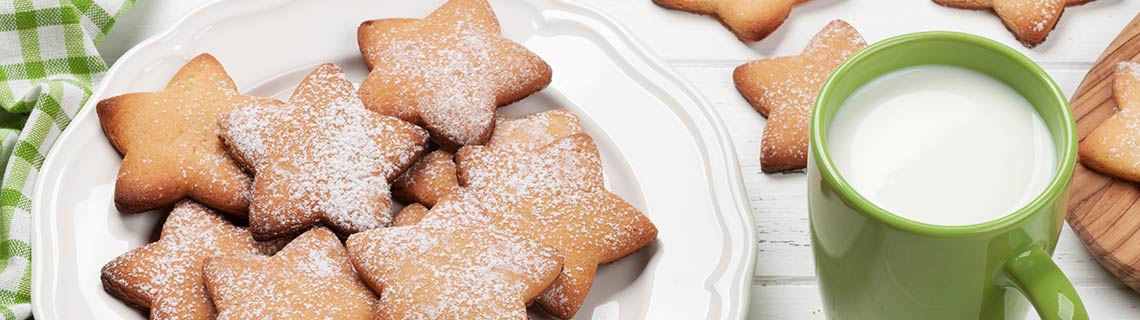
872	264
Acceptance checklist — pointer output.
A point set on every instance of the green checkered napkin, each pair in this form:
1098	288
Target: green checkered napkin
48	64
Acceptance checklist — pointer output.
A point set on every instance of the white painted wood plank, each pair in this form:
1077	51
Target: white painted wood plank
802	302
705	53
1081	34
799	302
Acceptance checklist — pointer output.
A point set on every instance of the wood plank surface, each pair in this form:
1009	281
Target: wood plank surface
705	53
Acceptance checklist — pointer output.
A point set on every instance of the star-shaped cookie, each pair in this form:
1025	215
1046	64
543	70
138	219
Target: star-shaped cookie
451	269
1113	148
784	89
554	195
310	278
447	72
433	176
1029	20
320	159
169	144
750	20
166	276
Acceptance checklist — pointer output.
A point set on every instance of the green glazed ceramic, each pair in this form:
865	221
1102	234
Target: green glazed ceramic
872	264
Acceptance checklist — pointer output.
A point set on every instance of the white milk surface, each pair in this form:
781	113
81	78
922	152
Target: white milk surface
942	145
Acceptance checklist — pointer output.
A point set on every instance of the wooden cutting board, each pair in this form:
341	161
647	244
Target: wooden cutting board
1105	212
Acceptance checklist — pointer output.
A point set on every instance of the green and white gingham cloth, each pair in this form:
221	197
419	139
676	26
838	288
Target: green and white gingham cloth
48	65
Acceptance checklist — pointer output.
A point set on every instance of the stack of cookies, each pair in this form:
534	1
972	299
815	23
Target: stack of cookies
283	209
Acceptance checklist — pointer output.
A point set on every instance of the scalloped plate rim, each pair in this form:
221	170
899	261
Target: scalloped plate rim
739	272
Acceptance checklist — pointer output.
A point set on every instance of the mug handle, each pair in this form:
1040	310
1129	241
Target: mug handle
1038	278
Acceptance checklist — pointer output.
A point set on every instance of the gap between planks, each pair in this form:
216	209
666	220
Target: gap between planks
733	63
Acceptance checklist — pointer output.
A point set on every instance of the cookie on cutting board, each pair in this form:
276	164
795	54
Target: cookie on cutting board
1113	148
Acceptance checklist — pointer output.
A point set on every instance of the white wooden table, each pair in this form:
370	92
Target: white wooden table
784	286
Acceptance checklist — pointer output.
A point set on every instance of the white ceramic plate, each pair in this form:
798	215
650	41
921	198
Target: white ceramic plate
663	147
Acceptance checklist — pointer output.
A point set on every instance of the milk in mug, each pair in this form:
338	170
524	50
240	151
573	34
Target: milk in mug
942	145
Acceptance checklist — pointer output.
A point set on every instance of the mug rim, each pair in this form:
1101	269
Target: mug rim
830	173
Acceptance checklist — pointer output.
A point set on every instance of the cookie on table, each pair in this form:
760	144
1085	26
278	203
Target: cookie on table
165	277
447	72
750	20
1029	20
1113	148
169	143
452	269
554	195
783	89
321	159
310	278
433	176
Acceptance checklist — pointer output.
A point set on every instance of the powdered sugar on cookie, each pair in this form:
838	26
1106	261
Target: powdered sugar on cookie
168	142
1029	20
1127	90
456	96
563	164
166	276
534	131
784	90
453	270
448	71
433	176
1113	148
554	195
310	278
323	158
